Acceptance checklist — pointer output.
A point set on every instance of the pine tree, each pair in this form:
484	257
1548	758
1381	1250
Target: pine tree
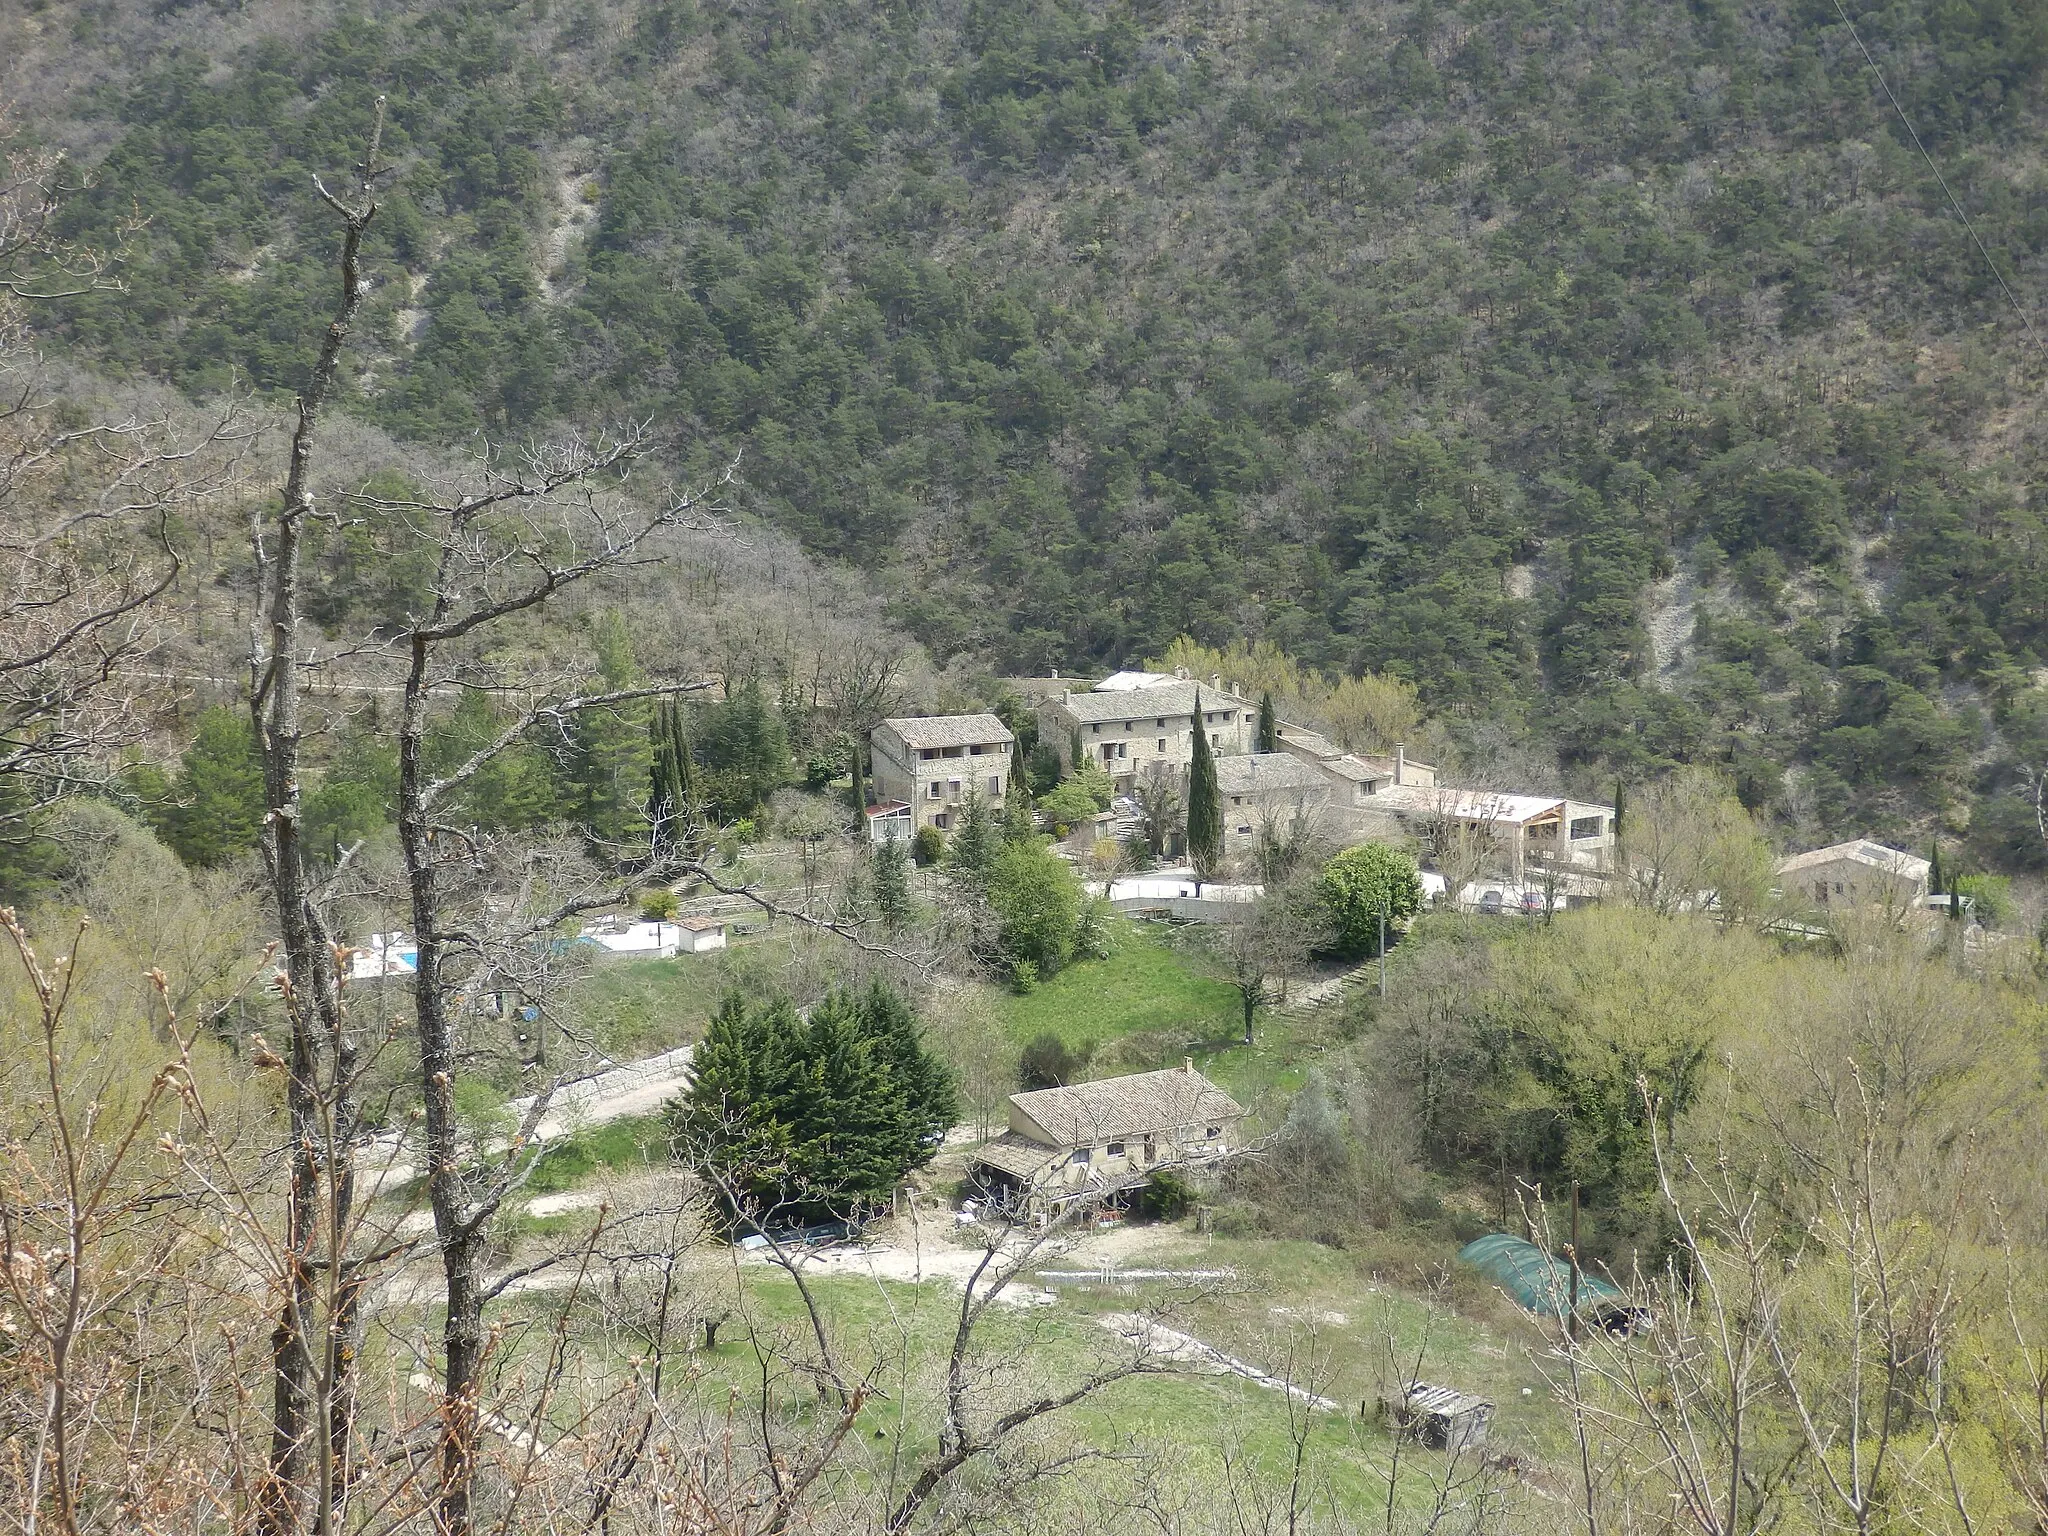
1205	804
747	747
892	882
219	809
1269	725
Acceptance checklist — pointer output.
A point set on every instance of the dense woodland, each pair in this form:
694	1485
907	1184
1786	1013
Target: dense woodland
1618	375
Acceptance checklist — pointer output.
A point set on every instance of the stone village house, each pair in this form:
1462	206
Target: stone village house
924	767
1065	1144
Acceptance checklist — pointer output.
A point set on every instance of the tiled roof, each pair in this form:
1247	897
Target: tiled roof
1254	773
1890	861
1174	698
1015	1154
950	730
1130	682
1127	1106
1312	742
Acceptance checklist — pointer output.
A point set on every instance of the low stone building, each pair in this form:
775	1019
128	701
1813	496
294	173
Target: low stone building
931	763
1269	797
1854	874
1065	1144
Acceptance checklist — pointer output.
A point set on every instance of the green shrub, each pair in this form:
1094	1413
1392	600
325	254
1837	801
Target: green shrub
658	904
1049	1062
927	847
1360	884
1166	1196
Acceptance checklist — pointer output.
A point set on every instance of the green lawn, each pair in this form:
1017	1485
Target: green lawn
1145	986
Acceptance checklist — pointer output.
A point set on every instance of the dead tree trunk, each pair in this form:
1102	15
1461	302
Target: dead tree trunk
312	1405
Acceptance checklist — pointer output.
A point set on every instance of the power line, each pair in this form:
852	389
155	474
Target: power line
1913	134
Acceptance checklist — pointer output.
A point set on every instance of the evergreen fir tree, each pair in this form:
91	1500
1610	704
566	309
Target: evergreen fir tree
220	807
747	747
976	844
1269	725
892	882
808	1118
1205	804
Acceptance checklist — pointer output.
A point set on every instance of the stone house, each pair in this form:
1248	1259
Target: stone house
1520	832
1856	873
933	762
1128	730
1269	796
1064	1144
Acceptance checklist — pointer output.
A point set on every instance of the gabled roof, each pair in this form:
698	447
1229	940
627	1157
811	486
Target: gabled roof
1889	861
950	730
1467	804
1312	742
1169	698
1255	773
1127	1106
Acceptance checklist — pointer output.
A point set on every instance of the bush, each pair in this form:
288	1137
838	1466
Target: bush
927	847
1024	977
1361	883
1989	899
658	904
1049	1062
1166	1196
1038	905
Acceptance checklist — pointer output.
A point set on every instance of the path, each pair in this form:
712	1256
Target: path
1185	1349
638	1088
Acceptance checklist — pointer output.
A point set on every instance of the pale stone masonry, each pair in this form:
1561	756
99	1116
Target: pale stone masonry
1067	1143
1127	731
933	763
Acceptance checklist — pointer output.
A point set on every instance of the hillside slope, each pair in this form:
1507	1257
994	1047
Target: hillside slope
1457	341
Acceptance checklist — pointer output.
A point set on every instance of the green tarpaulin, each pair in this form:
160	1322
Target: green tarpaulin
1542	1282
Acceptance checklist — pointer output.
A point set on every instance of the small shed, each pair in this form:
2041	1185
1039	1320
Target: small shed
1441	1418
694	935
1542	1283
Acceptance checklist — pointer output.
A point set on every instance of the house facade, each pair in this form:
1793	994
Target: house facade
933	763
1269	797
1065	1144
1521	833
1127	730
1855	874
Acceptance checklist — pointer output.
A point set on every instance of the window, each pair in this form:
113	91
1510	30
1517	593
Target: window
943	820
1162	744
1212	1133
952	789
1082	1155
1127	725
1245	830
995	786
927	753
1115	1149
1215	738
1094	730
933	790
976	751
1585	826
1160	721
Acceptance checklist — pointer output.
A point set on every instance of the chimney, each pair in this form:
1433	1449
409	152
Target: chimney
1216	681
1187	1065
1181	673
1400	762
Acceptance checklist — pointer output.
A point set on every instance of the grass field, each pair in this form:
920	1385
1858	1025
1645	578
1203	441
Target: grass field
1296	1310
1144	986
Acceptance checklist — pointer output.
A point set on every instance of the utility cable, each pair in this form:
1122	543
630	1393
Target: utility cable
1913	134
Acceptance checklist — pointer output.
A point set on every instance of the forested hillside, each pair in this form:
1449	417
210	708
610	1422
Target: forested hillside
1616	372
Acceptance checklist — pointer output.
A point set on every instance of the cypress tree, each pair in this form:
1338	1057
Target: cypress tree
1205	804
1269	724
673	801
1934	884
